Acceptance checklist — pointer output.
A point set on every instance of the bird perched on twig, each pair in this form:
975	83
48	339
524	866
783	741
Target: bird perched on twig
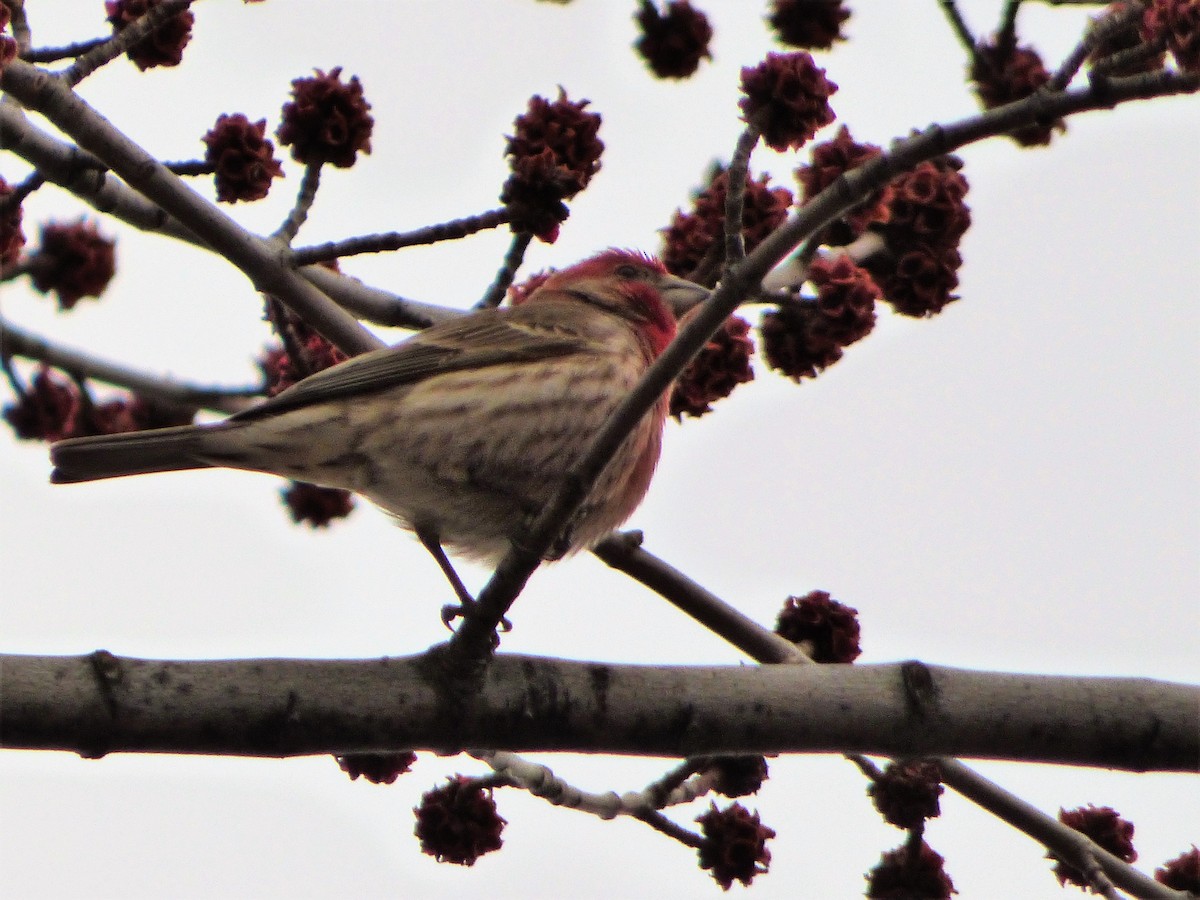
464	431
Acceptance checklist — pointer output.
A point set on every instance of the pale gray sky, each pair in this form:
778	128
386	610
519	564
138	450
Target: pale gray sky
1009	486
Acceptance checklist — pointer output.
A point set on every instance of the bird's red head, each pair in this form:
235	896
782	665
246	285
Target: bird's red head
633	285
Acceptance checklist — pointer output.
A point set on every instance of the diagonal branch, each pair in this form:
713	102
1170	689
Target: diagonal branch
473	640
258	259
624	553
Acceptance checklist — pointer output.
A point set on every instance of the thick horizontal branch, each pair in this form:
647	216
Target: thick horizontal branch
101	703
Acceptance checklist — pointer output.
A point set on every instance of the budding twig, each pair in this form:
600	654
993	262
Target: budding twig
626	555
396	240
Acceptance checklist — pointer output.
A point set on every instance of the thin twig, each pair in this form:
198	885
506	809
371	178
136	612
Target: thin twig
735	194
129	36
1007	32
257	258
191	167
624	553
16	341
19	192
395	240
959	26
1100	31
305	197
70	51
507	272
19	26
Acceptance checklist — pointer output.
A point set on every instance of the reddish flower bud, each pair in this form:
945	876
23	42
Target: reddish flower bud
920	283
673	44
12	238
1004	73
786	98
554	152
690	237
1182	873
1176	23
243	160
326	121
823	624
307	351
906	794
896	877
458	823
377	768
722	365
928	218
48	411
74	261
831	160
1102	824
314	505
808	24
735	844
163	46
928	206
738	776
799	340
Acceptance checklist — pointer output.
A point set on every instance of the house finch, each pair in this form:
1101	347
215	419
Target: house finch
464	431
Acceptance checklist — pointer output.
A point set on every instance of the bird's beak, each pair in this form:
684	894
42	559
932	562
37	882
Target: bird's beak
682	295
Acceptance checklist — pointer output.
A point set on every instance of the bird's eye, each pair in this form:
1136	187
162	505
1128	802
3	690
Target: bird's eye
628	271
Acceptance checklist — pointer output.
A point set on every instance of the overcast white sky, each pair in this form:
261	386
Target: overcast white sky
1009	486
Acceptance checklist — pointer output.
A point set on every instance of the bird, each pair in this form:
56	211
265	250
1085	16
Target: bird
464	431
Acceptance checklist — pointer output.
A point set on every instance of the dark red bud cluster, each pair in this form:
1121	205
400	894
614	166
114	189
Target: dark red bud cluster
823	624
899	876
735	844
1004	73
693	236
1102	824
906	793
787	98
458	822
722	364
802	339
164	45
1176	24
243	160
12	237
74	261
829	161
673	43
554	152
808	24
377	768
327	121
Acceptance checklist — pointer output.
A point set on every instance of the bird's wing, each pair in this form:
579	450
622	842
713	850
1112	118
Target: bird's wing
485	338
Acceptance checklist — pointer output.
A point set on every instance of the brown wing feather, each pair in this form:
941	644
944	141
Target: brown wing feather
485	338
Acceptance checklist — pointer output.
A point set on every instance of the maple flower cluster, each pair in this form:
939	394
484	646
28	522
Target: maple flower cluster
553	153
52	408
673	43
458	822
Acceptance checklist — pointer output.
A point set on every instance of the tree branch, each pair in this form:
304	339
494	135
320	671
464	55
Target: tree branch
258	259
101	703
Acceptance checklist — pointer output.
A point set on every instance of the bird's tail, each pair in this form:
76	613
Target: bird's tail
132	453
